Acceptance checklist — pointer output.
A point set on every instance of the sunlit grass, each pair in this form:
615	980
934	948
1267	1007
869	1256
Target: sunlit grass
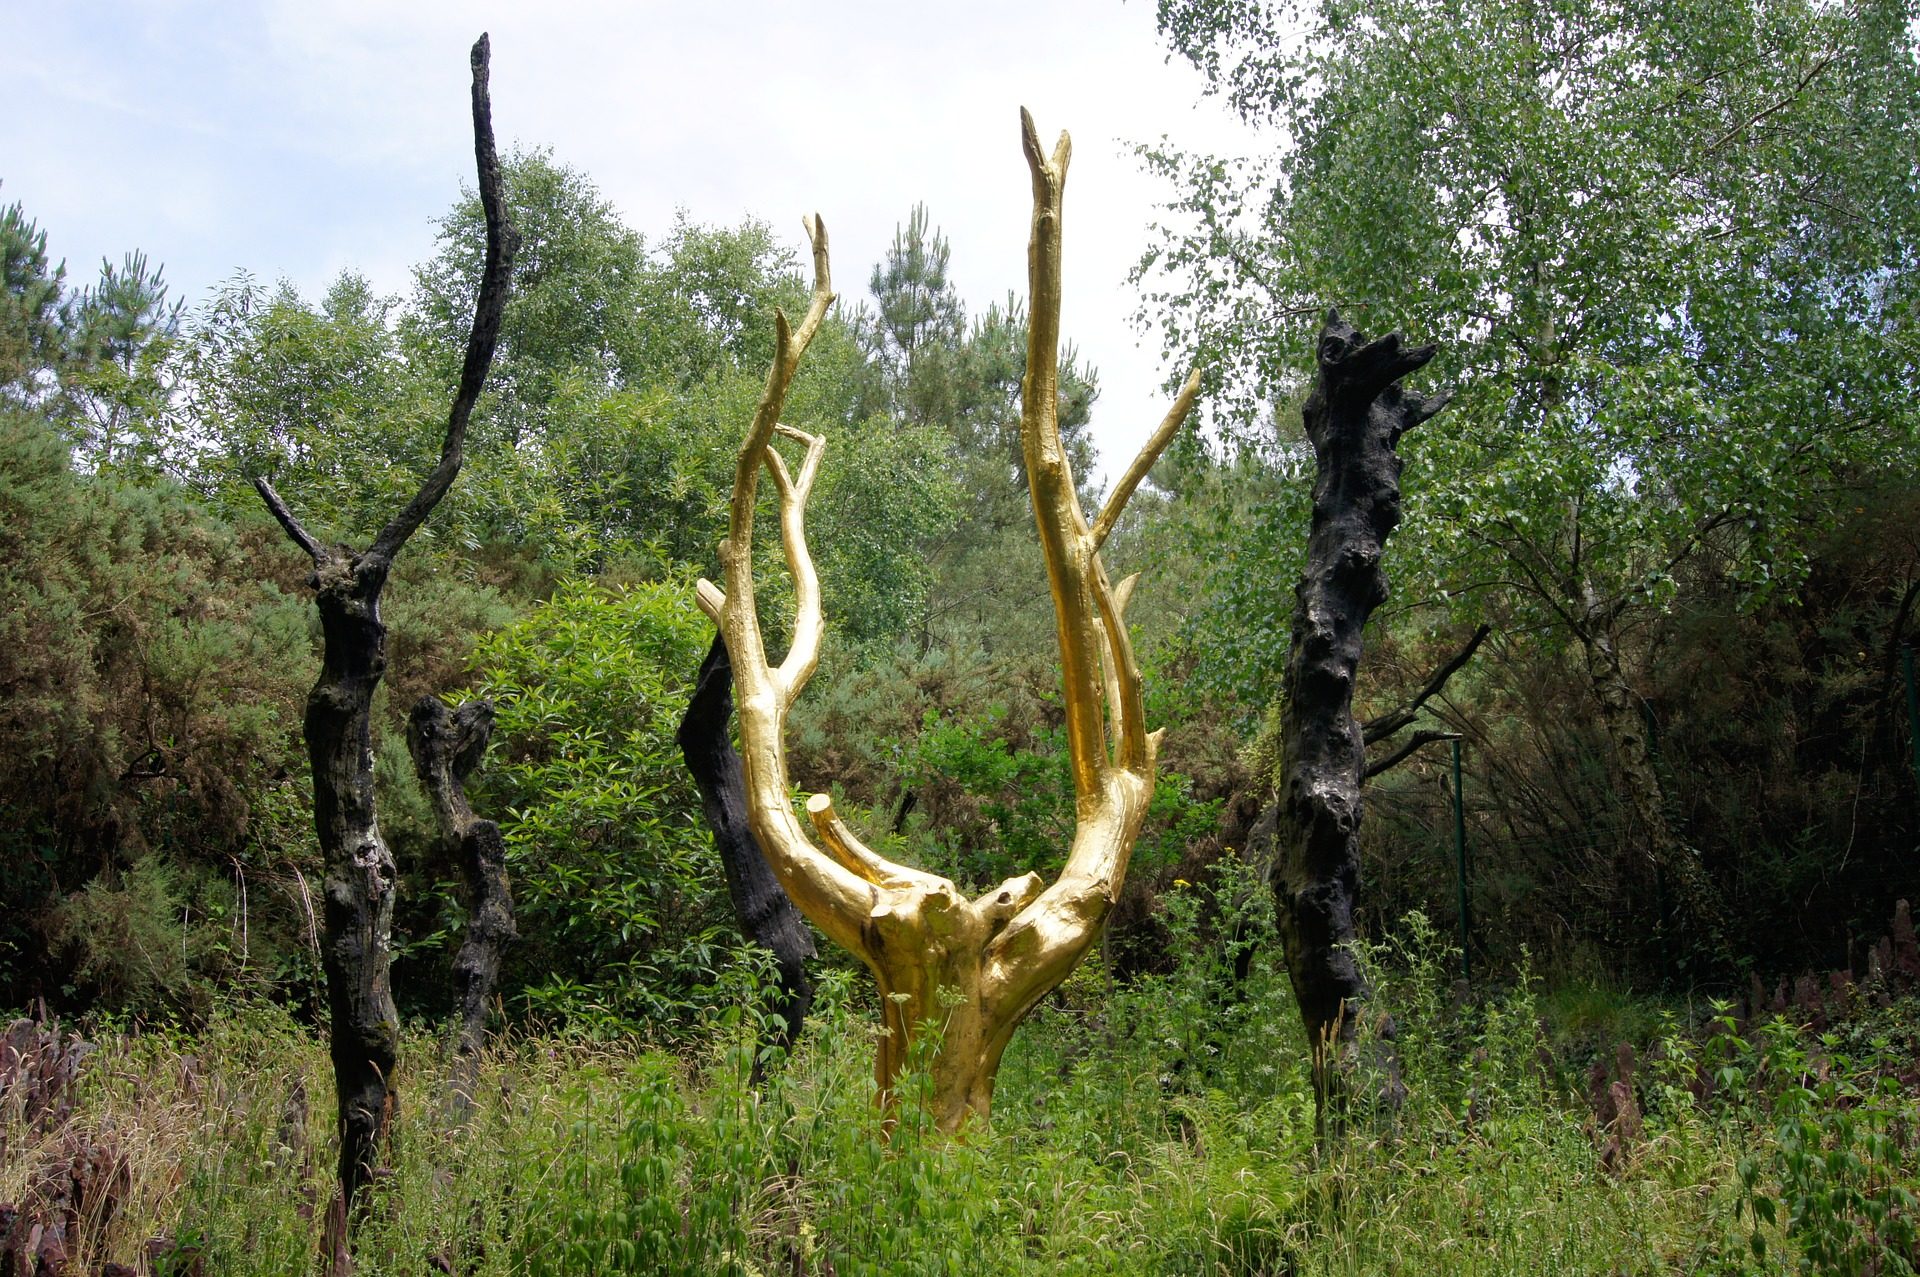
1157	1128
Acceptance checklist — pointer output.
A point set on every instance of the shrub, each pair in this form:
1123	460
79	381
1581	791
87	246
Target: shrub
619	897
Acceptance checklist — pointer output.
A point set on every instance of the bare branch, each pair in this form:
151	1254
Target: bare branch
1378	729
299	535
1098	670
829	889
1116	501
736	552
1062	527
1416	741
502	243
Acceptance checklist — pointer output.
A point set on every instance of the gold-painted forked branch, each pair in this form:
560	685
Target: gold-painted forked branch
972	967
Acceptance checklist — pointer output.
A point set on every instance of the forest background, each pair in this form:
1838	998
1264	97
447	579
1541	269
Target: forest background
1668	253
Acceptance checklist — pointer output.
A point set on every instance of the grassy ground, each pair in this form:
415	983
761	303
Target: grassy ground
1154	1129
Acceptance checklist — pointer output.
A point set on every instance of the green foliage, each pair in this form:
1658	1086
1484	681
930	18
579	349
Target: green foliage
118	376
1665	320
1156	1128
618	897
150	699
918	322
884	494
617	1204
1235	535
1635	232
159	941
1020	813
576	280
1828	1170
31	306
1842	1158
317	398
1000	802
98	362
591	300
954	389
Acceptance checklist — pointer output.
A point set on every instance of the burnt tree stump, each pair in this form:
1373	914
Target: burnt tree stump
1354	418
447	744
767	916
357	915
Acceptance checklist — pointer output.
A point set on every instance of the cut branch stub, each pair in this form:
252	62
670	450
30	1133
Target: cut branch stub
972	968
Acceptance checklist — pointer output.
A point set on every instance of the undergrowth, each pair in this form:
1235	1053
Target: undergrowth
1159	1127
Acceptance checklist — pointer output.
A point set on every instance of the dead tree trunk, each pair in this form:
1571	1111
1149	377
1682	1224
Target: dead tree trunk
767	916
446	746
358	909
1354	417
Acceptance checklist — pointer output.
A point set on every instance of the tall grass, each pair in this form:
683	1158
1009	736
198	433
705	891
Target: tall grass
1163	1127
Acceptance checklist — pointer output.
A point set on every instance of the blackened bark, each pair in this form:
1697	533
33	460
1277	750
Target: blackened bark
1405	750
357	899
767	917
357	915
1375	730
446	746
1354	417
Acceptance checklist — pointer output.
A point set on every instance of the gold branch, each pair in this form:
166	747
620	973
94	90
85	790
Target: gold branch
841	843
1169	426
1100	678
808	624
1056	506
736	551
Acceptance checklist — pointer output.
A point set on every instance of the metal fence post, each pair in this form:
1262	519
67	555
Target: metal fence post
1460	863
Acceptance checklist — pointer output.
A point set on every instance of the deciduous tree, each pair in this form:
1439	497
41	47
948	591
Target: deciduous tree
1667	247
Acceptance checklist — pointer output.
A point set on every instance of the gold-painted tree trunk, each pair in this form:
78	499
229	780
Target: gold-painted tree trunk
966	969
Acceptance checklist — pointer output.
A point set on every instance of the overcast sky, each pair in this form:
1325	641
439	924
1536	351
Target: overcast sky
297	139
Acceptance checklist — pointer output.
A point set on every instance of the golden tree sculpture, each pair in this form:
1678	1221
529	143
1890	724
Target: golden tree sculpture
966	970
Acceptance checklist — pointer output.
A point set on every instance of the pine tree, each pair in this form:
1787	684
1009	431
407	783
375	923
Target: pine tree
31	306
919	323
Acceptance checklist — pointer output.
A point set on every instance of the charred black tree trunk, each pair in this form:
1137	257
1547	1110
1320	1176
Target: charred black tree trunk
767	916
357	900
1354	417
446	746
358	909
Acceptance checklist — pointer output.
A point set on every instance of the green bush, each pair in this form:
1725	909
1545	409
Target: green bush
619	898
1006	799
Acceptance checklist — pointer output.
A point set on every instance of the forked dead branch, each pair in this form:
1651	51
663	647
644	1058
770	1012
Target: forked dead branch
967	969
357	917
